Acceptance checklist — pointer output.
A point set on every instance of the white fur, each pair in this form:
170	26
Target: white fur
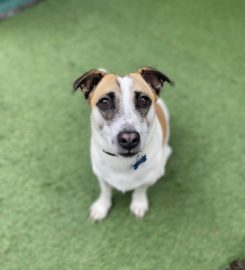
116	171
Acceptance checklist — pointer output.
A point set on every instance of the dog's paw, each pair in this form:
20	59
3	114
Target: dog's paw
139	207
99	210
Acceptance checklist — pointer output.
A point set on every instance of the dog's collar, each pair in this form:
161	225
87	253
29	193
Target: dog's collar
135	165
110	154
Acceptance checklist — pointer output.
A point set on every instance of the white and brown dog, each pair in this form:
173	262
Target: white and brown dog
130	134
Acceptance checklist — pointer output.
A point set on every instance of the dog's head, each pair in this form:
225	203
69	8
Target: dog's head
123	108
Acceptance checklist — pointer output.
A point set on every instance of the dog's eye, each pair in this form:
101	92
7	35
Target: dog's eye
105	103
144	101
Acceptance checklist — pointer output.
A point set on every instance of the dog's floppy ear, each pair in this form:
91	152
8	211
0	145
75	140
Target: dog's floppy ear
154	78
88	81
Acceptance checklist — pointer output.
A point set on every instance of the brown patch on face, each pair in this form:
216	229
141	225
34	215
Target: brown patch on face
108	84
139	84
163	121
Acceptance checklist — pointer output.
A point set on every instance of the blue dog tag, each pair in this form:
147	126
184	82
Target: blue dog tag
139	161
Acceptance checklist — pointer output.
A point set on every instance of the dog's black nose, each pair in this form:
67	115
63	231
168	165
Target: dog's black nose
128	139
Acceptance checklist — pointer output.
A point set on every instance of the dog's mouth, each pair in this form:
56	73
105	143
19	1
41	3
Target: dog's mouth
128	154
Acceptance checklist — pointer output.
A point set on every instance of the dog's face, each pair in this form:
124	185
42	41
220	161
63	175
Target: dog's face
123	108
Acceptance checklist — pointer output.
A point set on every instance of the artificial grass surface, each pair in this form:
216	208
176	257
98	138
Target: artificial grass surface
197	212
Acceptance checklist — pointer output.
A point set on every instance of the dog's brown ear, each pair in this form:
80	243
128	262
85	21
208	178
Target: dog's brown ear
88	81
154	78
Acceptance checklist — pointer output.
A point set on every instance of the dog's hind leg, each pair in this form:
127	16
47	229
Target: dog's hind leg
139	204
100	208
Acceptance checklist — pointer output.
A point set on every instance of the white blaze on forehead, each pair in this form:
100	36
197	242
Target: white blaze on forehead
126	93
129	118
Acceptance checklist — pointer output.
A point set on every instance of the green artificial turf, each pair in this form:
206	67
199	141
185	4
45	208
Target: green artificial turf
197	215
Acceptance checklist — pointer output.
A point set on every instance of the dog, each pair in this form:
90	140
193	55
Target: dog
130	134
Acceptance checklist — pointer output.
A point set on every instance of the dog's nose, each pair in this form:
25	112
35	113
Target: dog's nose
128	139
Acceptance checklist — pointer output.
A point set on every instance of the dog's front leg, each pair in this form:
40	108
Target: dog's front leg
100	208
139	204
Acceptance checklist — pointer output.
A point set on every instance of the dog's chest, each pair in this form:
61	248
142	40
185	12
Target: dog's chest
121	173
